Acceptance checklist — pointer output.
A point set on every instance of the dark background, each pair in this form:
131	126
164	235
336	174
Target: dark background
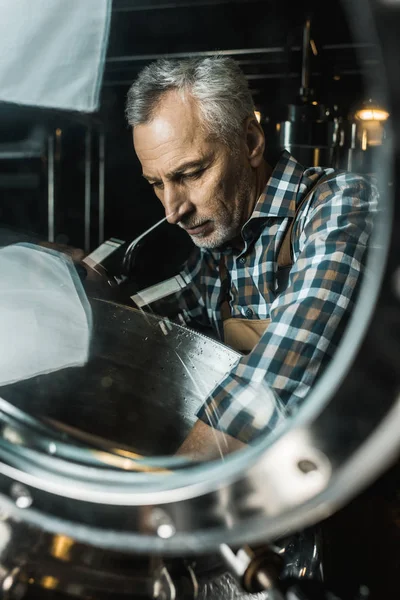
361	540
266	39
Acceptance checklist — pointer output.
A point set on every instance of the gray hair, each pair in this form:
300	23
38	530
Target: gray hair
216	83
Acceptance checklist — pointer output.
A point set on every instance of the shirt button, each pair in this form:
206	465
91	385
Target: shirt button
242	260
248	313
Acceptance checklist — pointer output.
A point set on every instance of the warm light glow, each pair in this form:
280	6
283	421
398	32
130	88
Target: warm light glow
61	547
313	47
49	582
371	134
258	115
315	103
372	114
364	140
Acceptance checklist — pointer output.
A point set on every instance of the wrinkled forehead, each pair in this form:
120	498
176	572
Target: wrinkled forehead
176	125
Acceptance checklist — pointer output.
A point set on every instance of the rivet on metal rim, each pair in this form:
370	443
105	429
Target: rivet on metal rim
21	495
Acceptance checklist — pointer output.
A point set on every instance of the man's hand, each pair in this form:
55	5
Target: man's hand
206	443
97	275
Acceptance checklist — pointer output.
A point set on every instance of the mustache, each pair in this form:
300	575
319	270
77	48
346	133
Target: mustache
187	224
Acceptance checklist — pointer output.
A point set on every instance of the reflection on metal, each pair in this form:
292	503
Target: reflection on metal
164	588
155	384
50	188
61	547
21	495
85	571
101	186
351	148
88	176
364	140
256	570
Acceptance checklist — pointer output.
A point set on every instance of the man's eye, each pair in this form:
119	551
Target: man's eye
196	174
158	185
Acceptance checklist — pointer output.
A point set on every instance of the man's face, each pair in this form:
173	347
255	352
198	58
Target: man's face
204	187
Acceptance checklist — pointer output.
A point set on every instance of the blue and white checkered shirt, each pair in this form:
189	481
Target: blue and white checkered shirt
330	238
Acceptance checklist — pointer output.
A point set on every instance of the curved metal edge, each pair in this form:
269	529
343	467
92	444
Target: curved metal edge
259	505
342	486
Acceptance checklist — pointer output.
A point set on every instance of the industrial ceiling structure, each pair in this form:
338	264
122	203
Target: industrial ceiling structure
266	37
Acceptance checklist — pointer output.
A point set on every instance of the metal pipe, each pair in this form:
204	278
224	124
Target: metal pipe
176	4
233	52
50	188
88	176
252	77
101	185
305	67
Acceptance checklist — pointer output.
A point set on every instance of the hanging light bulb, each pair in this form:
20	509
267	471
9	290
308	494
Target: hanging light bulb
370	111
371	118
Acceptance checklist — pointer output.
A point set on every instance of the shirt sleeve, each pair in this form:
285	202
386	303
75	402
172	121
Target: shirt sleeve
307	319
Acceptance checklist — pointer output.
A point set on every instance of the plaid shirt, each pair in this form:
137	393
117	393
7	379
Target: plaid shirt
307	319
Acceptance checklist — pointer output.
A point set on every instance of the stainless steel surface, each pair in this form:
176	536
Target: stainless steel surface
140	389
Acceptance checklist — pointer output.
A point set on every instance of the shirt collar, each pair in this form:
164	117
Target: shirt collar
277	200
279	196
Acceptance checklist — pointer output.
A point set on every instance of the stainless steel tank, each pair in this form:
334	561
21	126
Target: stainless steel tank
134	400
145	379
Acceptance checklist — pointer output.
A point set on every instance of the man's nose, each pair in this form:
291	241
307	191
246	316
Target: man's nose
176	204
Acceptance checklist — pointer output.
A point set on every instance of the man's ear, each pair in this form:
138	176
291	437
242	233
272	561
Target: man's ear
255	141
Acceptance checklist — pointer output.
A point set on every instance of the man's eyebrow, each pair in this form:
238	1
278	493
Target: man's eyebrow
191	164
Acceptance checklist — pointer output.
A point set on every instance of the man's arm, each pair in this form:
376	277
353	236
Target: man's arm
206	443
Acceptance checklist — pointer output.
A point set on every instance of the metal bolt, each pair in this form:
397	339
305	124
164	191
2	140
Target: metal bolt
165	531
162	523
306	466
21	495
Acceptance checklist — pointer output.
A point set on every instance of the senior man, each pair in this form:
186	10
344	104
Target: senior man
279	248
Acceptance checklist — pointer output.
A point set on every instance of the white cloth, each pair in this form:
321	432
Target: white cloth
52	52
45	316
